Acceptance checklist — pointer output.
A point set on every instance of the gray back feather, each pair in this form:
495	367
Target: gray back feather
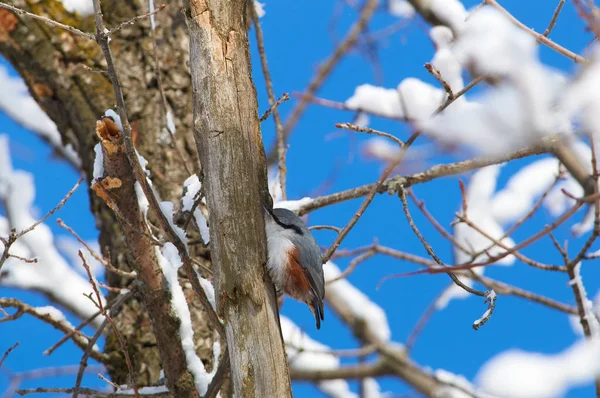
310	253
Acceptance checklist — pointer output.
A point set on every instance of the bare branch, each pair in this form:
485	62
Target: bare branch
136	18
116	302
552	23
370	196
393	184
490	299
48	21
359	371
274	104
78	338
87	392
7	352
282	99
353	264
328	65
368	130
86	355
12	238
112	324
540	37
429	249
436	73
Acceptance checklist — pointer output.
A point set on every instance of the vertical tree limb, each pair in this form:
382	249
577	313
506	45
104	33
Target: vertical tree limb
227	134
117	189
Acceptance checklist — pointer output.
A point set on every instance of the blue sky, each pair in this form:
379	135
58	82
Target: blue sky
297	39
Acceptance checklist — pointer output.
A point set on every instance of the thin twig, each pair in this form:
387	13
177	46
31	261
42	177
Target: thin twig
490	299
493	259
441	170
552	23
328	65
78	338
366	202
540	37
497	242
112	324
436	73
13	236
51	212
105	379
459	94
282	99
220	375
561	250
47	21
326	227
421	206
7	352
422	322
98	258
26	260
429	249
116	302
281	151
90	392
368	130
352	266
260	42
84	358
508	290
136	18
92	281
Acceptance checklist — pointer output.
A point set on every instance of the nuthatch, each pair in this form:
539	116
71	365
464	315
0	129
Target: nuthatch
294	260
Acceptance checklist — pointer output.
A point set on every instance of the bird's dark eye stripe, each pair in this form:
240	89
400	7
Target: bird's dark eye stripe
289	226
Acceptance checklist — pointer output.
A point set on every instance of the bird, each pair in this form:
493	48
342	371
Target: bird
294	259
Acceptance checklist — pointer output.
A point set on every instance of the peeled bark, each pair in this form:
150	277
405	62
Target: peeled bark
227	133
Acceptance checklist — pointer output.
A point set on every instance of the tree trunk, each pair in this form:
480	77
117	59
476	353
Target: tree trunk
227	133
50	60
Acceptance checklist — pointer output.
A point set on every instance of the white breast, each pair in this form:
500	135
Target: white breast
278	245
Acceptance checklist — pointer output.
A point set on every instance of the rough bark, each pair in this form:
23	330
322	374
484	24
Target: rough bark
227	133
50	60
117	190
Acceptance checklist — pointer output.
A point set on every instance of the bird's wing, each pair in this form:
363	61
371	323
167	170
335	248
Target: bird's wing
314	274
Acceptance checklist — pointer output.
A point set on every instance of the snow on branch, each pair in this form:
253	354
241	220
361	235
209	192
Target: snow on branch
479	195
524	106
451	12
167	209
50	274
18	104
192	188
400	8
170	262
83	7
307	354
521	108
357	303
56	319
520	374
260	9
456	386
588	318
